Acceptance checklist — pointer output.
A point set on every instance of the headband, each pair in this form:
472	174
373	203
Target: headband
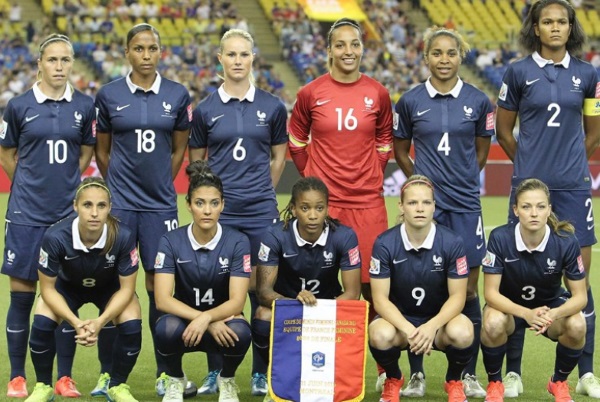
92	184
419	181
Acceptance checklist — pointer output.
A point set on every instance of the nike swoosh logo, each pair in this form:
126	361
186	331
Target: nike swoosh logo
531	82
400	261
217	117
119	108
586	315
133	353
71	257
479	246
38	353
66	330
590	227
14	331
511	259
321	103
289	255
28	119
182	261
423	112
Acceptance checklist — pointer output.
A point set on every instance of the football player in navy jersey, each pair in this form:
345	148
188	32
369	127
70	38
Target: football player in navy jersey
243	130
143	127
556	97
523	270
88	258
450	123
302	257
419	275
202	278
46	142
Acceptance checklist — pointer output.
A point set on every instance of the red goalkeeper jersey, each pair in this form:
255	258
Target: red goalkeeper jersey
350	132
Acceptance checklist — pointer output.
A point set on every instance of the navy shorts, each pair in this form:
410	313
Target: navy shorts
22	251
574	206
148	227
254	229
469	225
76	296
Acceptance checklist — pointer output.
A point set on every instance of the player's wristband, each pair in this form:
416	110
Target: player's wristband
591	107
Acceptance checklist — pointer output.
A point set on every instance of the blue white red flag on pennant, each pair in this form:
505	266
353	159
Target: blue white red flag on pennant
318	353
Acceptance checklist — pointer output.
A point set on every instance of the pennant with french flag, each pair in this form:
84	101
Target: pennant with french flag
318	353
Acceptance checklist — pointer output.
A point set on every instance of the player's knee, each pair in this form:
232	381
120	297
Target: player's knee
459	332
575	328
263	313
381	334
244	334
494	326
169	329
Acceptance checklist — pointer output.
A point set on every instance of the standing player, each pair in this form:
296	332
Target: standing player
555	97
301	258
46	141
202	278
451	124
143	127
88	258
419	279
243	128
523	271
348	117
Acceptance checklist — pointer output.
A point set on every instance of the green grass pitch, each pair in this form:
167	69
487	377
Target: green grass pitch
538	359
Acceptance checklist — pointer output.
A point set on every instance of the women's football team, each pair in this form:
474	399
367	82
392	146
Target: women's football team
81	243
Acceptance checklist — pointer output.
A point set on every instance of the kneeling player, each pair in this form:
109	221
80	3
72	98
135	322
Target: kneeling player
89	258
419	277
524	269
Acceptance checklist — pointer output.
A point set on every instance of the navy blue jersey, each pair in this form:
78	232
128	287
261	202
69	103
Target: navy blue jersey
238	136
303	265
142	124
549	101
48	135
202	272
443	129
63	255
532	278
419	278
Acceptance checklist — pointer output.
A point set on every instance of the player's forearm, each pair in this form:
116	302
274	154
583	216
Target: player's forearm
389	312
8	160
499	302
231	307
299	157
57	303
450	309
277	166
118	302
170	305
176	162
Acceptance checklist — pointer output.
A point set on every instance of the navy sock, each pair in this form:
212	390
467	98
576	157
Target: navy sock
43	347
492	360
473	311
106	344
17	330
65	349
566	360
214	361
416	363
259	363
261	332
586	362
233	356
153	315
169	342
126	351
388	359
514	348
457	361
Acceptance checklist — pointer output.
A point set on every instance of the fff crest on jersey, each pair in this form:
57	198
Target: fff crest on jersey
328	258
468	112
77	119
369	104
318	359
110	260
551	268
10	256
576	84
437	263
224	262
262	118
167	108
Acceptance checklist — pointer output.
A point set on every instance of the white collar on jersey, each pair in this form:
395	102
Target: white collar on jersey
454	92
211	245
428	243
521	244
78	244
321	241
225	97
540	61
40	97
154	88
